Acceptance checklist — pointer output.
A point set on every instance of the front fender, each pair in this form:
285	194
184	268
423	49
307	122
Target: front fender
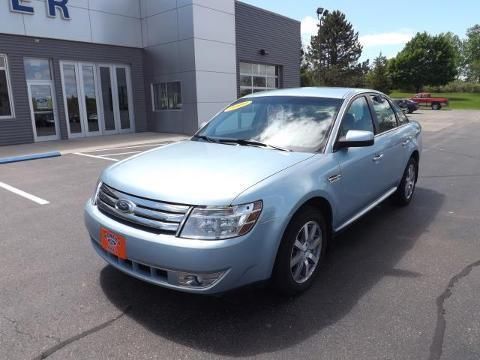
285	193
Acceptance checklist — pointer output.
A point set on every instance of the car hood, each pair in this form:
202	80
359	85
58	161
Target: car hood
198	173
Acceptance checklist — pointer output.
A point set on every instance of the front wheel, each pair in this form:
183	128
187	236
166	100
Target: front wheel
301	251
404	194
436	106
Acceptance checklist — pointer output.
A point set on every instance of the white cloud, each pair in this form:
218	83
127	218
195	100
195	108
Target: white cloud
309	28
388	38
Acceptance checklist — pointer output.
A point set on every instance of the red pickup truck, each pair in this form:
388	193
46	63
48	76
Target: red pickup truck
426	99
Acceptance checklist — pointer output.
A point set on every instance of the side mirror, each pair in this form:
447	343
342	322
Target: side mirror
355	138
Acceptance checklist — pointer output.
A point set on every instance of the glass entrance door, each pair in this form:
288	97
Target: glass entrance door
80	98
116	98
42	106
41	95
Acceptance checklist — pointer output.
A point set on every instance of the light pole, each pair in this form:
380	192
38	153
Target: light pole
321	12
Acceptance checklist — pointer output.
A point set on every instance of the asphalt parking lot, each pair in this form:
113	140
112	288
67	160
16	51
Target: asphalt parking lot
399	284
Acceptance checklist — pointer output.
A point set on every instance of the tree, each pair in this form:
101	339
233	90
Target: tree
334	52
472	54
425	60
458	48
378	77
306	74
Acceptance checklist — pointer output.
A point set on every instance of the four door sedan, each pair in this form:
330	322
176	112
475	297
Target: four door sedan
257	193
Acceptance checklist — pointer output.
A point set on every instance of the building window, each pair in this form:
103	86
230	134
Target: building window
257	77
37	69
6	99
167	96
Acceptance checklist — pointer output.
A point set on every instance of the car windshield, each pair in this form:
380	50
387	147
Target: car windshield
288	123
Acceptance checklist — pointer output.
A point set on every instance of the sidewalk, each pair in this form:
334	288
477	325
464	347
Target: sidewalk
89	144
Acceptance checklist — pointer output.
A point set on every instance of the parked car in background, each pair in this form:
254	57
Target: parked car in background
257	193
426	99
408	106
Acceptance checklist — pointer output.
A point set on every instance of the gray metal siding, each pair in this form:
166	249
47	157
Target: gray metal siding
280	36
19	130
182	121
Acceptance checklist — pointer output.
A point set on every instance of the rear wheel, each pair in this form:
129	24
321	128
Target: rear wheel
404	194
436	106
301	252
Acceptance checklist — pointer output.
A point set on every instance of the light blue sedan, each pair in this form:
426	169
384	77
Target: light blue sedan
258	192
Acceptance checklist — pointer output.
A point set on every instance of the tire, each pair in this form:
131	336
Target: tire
288	278
405	191
436	106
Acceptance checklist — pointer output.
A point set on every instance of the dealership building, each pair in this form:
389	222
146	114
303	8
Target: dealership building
77	68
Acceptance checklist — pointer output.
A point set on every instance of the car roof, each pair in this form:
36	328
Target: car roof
321	92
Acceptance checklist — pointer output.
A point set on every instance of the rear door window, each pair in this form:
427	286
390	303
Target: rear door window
385	115
401	117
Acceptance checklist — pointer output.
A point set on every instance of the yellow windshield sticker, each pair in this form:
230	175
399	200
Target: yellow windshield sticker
238	106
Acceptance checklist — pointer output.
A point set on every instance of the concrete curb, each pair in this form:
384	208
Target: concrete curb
13	159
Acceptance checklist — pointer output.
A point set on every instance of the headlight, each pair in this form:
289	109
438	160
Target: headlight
97	190
215	223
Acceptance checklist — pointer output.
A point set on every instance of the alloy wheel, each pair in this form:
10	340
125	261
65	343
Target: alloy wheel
306	252
410	181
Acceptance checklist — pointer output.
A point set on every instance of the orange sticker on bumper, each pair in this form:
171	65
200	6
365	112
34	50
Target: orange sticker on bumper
113	243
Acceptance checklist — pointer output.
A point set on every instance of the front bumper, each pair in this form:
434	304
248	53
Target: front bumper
159	258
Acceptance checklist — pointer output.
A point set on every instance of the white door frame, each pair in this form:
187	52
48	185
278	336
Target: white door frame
81	99
115	101
84	104
129	96
49	83
102	107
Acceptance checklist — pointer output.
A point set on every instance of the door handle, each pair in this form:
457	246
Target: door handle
334	178
377	157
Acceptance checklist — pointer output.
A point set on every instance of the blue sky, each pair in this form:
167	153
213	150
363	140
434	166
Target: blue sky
384	25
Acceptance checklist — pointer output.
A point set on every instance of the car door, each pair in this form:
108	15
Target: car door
406	134
388	140
361	175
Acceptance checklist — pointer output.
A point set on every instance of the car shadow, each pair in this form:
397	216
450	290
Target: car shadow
256	320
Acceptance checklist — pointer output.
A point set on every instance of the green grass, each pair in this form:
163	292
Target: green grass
470	101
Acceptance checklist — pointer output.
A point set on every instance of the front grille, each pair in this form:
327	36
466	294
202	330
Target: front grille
150	215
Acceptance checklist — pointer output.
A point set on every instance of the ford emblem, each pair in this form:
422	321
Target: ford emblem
125	206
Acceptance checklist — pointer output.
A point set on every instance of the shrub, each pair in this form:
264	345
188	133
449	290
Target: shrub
457	86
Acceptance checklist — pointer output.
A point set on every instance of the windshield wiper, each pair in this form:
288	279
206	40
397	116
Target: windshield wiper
206	138
242	142
245	142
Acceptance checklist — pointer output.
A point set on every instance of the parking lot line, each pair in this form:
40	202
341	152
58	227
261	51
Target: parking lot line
133	147
96	157
24	194
125	153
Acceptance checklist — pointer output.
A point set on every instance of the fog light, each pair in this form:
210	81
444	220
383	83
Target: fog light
198	281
